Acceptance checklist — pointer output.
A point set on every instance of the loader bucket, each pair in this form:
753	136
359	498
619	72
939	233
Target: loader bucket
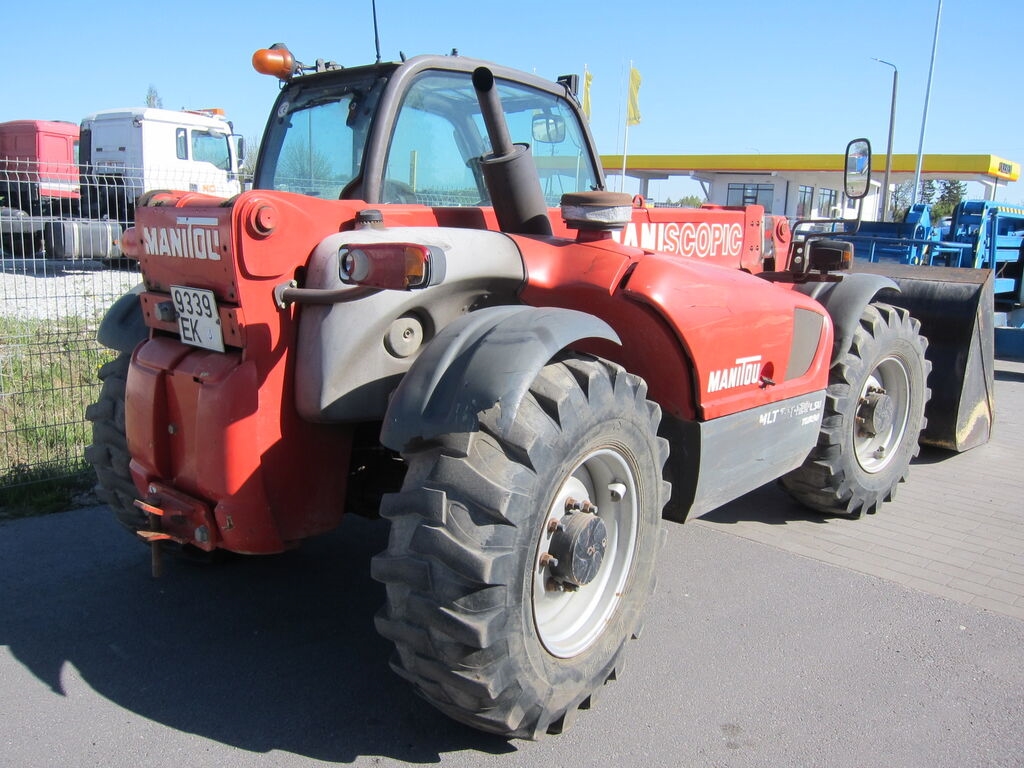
955	308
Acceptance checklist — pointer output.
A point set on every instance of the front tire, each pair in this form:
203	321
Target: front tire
874	414
520	559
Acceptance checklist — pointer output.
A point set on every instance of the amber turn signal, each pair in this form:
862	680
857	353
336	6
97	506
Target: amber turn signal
393	266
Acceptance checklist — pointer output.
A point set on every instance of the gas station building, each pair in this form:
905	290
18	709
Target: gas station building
806	186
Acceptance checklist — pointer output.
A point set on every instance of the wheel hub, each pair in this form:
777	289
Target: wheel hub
877	412
577	548
584	560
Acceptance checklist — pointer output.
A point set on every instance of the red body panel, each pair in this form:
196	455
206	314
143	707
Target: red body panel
730	237
681	322
223	427
586	278
727	320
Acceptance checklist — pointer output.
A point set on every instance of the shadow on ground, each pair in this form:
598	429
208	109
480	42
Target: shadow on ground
258	653
1005	375
771	505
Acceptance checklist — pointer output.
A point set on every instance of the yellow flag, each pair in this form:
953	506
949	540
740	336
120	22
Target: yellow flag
633	104
587	77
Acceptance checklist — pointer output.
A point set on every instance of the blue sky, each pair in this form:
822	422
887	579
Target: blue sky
733	76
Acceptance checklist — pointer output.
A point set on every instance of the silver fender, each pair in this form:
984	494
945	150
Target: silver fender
482	360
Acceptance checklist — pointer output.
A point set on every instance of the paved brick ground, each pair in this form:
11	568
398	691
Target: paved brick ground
956	528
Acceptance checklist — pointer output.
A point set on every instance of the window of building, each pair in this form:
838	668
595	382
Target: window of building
751	194
826	201
804	202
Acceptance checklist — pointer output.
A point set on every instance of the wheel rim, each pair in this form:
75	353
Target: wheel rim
568	620
882	414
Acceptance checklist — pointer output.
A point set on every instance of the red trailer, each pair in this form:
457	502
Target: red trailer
39	166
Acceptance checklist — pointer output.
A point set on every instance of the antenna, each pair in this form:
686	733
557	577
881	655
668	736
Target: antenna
376	34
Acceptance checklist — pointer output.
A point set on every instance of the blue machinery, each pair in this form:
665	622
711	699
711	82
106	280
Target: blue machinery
982	235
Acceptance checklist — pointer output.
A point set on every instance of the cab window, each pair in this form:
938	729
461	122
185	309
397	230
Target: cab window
317	155
439	137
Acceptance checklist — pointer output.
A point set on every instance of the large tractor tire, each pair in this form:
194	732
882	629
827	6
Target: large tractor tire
520	559
108	453
874	414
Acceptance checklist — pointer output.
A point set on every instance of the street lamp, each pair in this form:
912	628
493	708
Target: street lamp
927	97
884	214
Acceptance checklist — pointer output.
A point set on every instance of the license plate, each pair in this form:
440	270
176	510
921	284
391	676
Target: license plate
198	318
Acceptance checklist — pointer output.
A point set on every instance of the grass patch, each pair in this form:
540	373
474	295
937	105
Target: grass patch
47	379
28	492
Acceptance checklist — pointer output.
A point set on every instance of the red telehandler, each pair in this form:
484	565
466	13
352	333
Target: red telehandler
420	310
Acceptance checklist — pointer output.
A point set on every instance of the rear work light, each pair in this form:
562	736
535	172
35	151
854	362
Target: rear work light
829	255
392	266
822	256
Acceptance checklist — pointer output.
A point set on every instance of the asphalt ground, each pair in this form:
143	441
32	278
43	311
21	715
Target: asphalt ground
776	638
955	529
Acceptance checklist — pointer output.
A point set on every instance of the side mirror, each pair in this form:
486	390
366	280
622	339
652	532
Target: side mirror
239	148
857	175
548	129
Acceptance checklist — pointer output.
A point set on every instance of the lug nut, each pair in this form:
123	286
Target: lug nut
548	560
571	505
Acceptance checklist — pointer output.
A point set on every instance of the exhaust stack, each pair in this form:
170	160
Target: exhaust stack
509	171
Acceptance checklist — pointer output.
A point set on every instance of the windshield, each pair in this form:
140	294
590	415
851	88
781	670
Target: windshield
210	147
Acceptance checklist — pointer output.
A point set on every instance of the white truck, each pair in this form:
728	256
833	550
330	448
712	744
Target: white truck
126	152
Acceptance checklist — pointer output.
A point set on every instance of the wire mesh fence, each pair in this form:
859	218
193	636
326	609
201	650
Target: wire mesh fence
60	268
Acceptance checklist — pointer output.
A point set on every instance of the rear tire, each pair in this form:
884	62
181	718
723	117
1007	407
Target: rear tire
496	620
108	453
874	414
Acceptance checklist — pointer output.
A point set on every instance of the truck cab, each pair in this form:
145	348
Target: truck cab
126	152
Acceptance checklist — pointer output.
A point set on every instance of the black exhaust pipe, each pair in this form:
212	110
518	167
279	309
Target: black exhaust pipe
509	171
